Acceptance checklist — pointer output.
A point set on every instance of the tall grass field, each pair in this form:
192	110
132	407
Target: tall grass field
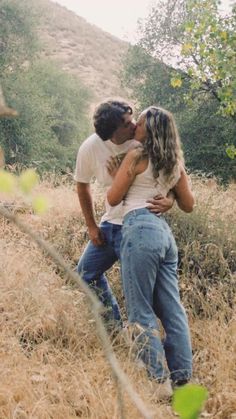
52	363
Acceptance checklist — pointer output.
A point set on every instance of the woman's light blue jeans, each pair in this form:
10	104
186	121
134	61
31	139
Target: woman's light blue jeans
150	283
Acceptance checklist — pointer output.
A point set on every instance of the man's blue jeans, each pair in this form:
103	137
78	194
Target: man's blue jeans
150	284
98	259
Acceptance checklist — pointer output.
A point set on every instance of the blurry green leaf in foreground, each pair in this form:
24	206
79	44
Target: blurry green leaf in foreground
7	182
28	180
40	204
231	151
188	401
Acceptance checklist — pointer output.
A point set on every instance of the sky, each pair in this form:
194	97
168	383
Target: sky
118	17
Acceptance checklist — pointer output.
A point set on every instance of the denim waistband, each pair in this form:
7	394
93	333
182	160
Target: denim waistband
142	211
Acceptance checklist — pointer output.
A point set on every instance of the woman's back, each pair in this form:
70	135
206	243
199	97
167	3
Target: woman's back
145	186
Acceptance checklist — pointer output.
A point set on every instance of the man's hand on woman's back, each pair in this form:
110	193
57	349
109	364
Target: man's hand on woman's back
160	204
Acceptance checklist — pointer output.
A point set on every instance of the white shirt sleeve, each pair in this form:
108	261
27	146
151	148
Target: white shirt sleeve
84	170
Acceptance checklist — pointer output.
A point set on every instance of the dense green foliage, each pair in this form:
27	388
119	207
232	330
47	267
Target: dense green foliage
211	49
17	34
52	105
202	43
203	106
204	133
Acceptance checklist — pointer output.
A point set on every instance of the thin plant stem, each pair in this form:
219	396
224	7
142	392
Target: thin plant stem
122	379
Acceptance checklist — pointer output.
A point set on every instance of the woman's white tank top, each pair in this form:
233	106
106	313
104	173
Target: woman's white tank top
145	187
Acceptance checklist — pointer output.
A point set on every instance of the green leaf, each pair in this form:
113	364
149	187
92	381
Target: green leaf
40	204
176	82
28	180
188	400
231	152
7	182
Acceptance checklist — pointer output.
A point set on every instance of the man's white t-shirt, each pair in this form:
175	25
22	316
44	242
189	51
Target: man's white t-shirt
91	163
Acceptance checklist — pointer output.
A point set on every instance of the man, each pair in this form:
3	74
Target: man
114	127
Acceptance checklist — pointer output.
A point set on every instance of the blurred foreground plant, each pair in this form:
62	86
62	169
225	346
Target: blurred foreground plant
188	400
25	183
231	151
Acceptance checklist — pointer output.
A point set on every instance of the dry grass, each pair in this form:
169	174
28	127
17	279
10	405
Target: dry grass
207	245
52	365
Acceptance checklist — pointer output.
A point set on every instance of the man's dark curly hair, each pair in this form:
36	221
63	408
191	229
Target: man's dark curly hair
109	116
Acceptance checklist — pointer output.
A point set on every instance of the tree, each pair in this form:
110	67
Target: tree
204	136
150	80
197	39
203	133
211	50
161	70
52	105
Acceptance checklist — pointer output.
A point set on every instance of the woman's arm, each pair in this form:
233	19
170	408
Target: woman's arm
183	193
123	179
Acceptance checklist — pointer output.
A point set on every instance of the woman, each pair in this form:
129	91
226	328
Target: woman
148	249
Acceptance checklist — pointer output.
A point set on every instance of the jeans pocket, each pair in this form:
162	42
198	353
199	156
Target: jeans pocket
150	238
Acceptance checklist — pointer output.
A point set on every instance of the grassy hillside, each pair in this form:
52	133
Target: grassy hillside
82	49
52	365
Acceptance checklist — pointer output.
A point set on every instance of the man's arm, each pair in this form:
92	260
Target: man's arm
86	203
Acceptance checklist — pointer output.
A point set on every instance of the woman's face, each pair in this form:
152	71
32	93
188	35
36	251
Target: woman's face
140	131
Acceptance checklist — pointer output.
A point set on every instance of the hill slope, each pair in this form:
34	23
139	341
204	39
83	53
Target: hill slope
82	49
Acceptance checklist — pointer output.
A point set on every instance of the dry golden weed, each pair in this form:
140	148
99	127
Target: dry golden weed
52	364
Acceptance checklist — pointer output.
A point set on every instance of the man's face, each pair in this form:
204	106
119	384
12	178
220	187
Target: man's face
125	131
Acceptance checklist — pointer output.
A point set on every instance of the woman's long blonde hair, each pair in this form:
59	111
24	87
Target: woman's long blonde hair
162	146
